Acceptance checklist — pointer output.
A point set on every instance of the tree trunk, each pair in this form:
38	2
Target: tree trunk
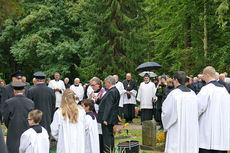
205	30
187	33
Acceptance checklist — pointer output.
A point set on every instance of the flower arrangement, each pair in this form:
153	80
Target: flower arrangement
161	138
122	131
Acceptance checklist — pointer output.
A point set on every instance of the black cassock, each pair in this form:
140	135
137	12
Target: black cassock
15	115
108	111
3	148
129	109
44	100
7	93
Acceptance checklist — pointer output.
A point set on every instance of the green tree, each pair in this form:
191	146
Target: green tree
113	40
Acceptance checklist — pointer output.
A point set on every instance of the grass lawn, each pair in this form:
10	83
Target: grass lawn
135	133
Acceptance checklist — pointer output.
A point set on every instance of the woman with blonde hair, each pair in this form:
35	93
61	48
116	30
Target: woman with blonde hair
68	126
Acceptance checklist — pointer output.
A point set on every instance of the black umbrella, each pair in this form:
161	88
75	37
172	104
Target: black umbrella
147	66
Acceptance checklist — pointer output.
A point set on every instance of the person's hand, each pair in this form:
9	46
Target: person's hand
106	123
57	89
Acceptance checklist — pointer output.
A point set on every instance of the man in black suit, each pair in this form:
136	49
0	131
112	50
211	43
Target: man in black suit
44	99
15	114
2	142
8	91
108	113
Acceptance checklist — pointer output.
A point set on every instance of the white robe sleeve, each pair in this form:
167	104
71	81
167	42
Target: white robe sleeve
169	111
139	93
63	87
24	143
55	125
133	93
202	97
81	94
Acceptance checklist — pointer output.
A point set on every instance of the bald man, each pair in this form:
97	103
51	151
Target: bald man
214	115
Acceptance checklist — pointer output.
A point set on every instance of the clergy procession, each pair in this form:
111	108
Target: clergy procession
194	112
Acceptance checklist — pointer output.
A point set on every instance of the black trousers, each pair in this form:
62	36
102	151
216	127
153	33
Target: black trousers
108	138
120	112
129	112
146	114
101	143
210	151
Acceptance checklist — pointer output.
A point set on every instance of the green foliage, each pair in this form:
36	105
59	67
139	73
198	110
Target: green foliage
113	41
96	38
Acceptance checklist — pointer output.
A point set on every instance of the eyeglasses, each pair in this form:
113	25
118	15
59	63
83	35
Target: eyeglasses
29	119
93	85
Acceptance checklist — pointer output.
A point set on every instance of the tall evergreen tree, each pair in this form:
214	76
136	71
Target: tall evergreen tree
113	40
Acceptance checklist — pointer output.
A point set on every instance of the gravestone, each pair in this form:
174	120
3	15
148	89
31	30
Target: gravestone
148	135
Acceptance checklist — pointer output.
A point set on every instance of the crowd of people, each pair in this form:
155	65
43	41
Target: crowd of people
194	111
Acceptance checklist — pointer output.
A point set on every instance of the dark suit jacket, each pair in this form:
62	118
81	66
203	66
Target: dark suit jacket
15	115
44	100
2	142
108	108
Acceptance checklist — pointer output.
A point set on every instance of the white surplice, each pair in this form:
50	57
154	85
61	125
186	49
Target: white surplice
132	99
91	135
57	84
120	87
33	142
78	91
180	120
70	136
146	93
214	117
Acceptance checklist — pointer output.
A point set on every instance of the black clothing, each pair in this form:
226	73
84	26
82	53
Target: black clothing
15	114
37	128
8	92
108	138
121	112
159	94
67	86
44	100
91	115
108	111
1	104
223	84
129	109
183	88
85	92
108	107
146	114
200	84
2	142
166	91
210	151
129	85
129	112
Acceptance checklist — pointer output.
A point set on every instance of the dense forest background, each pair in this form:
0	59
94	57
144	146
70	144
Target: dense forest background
86	38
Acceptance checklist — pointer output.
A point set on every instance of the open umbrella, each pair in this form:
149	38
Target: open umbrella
151	74
147	66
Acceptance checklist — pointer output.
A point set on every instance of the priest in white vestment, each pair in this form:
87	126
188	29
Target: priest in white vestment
120	87
59	87
146	96
214	115
129	98
180	118
78	90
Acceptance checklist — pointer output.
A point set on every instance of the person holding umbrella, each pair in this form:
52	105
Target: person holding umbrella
146	96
